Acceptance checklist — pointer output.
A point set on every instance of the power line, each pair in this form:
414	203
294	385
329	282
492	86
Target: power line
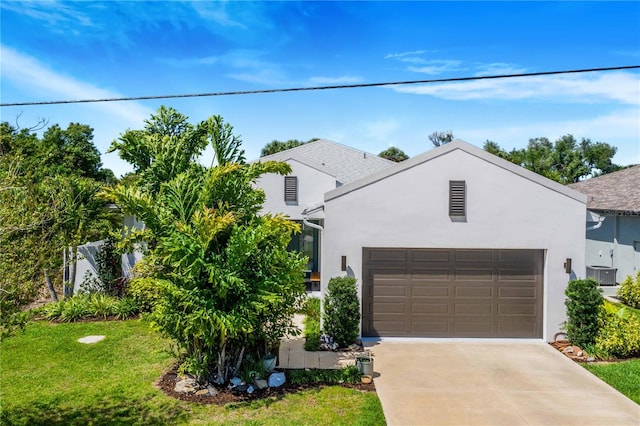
304	89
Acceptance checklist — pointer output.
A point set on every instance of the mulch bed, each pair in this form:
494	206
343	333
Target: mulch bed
225	396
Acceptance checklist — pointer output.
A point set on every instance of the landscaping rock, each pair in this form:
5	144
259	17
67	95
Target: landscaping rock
212	390
186	385
202	392
236	381
568	350
590	359
250	389
276	380
260	384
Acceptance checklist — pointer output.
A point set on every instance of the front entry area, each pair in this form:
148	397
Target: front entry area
423	292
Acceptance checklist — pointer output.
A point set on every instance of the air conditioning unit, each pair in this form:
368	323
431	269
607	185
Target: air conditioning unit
605	275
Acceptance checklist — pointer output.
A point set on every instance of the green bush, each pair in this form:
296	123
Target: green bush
311	334
629	291
349	374
311	308
84	306
619	335
145	292
342	310
584	299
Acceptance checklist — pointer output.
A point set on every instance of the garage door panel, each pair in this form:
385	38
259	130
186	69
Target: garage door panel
462	256
452	293
474	275
430	256
517	292
432	291
431	308
483	292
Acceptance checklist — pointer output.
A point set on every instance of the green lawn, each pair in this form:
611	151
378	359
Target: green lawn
623	375
47	377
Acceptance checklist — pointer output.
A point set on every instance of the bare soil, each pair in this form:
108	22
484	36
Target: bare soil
168	381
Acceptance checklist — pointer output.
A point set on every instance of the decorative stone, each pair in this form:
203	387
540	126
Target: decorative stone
276	380
90	339
241	388
580	353
236	381
202	392
186	385
250	389
568	350
590	359
260	384
212	390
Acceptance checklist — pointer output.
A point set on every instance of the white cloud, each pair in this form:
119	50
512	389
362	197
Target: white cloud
437	66
622	87
499	68
405	54
53	12
345	79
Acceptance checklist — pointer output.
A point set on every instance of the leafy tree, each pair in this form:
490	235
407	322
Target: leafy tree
226	286
47	203
564	161
342	310
441	138
584	301
394	154
277	146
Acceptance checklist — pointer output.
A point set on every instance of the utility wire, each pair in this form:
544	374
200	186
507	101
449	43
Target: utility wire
304	89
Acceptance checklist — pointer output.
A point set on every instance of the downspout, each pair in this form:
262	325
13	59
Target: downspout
312	225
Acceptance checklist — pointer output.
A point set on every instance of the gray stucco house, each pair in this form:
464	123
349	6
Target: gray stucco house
613	228
455	242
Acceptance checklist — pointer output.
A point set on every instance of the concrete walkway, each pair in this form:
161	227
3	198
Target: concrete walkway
491	383
293	355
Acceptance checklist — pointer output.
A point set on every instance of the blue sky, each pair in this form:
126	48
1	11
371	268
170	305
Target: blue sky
55	50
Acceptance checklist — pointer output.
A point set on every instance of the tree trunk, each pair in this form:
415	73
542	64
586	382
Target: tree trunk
52	291
72	260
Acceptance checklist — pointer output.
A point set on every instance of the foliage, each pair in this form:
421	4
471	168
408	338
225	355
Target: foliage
619	335
394	154
342	310
47	202
623	376
629	291
311	310
565	161
277	146
145	292
111	383
441	138
90	306
584	299
109	278
349	374
225	283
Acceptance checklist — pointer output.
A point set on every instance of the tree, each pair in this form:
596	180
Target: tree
226	284
441	138
564	161
47	202
394	154
277	146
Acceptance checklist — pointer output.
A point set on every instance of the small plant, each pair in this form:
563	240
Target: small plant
350	375
75	309
311	334
629	291
311	308
584	299
125	308
101	306
342	310
619	335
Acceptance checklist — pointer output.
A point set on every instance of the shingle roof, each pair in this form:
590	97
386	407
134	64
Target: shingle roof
345	163
617	191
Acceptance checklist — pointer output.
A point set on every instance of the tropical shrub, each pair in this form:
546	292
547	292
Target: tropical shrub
619	335
629	291
349	374
90	306
217	276
341	318
584	299
311	310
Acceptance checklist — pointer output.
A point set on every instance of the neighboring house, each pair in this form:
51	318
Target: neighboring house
613	236
317	167
456	242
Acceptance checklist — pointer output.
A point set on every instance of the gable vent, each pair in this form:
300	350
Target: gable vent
457	198
290	189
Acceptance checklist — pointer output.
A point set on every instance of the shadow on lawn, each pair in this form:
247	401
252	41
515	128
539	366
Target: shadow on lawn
101	412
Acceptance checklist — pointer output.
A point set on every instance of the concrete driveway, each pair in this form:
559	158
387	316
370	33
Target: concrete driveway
491	383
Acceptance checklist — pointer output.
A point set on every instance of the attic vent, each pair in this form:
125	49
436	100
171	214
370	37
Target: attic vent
457	198
290	189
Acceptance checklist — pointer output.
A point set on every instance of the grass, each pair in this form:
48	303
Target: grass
47	377
623	375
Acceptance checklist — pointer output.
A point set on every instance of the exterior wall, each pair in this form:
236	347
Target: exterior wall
615	244
312	185
504	210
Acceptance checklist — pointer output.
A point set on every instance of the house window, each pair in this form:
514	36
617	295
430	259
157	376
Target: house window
457	198
291	189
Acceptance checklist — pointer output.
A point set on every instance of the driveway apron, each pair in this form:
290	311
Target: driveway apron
447	382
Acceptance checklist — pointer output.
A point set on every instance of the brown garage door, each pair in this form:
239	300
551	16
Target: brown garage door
452	293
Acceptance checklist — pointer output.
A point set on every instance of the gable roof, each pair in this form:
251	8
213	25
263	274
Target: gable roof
469	149
345	163
618	191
